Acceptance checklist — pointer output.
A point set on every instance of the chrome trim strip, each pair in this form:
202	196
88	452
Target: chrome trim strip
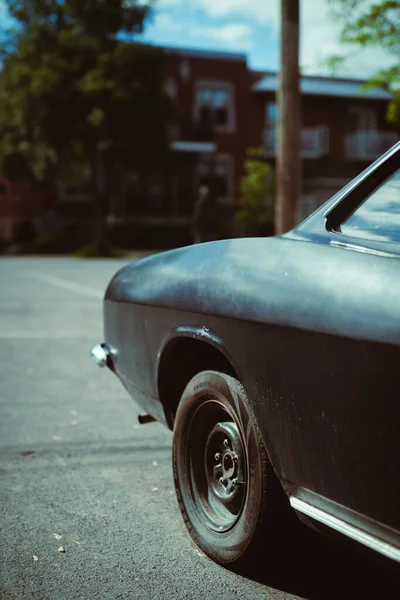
351	186
349	246
352	532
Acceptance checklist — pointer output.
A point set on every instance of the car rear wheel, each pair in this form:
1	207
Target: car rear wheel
227	491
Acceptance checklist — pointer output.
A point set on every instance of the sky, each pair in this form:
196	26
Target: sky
252	27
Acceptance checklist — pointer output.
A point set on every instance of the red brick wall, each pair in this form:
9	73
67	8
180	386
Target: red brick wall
30	201
234	72
5	200
24	202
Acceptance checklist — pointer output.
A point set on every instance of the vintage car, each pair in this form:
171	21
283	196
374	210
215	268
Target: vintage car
276	362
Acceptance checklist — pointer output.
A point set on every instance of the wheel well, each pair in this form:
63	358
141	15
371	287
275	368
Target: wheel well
182	359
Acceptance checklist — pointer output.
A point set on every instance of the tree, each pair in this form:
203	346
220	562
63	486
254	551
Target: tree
377	25
75	86
257	191
288	166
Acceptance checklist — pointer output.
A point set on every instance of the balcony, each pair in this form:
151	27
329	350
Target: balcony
368	145
314	142
193	136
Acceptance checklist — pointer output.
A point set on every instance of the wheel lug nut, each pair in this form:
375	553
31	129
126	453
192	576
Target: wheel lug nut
226	442
217	456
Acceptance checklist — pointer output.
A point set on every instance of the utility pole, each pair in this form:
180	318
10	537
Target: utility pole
288	164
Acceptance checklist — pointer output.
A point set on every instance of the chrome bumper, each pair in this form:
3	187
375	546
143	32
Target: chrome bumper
100	354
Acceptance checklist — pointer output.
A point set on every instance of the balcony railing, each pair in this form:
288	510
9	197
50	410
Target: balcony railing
314	142
368	145
193	136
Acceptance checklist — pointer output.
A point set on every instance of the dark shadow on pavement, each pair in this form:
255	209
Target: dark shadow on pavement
313	566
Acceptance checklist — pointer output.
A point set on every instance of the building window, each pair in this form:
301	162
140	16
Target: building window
214	104
360	118
216	173
184	69
271	115
171	87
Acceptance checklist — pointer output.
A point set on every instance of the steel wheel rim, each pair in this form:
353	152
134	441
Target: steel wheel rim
216	465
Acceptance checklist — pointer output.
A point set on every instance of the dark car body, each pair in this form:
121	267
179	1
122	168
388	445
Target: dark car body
309	322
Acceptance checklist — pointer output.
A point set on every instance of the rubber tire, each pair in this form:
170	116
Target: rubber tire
257	524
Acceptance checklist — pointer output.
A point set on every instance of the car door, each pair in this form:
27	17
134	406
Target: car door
352	459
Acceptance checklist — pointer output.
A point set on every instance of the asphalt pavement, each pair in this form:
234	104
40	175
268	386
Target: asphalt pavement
87	505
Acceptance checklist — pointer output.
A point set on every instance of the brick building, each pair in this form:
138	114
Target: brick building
209	88
344	129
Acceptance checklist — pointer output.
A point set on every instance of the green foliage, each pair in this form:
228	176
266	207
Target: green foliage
377	24
370	24
389	79
73	77
135	235
257	191
92	252
62	241
332	64
48	243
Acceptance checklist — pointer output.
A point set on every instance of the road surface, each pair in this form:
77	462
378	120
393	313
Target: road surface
78	473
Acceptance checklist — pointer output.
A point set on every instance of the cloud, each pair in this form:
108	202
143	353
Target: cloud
5	19
166	21
235	35
261	11
319	33
233	23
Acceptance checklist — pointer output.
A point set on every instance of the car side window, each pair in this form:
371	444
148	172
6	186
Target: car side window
378	218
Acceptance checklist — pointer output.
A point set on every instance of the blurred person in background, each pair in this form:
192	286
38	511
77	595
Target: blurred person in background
206	217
